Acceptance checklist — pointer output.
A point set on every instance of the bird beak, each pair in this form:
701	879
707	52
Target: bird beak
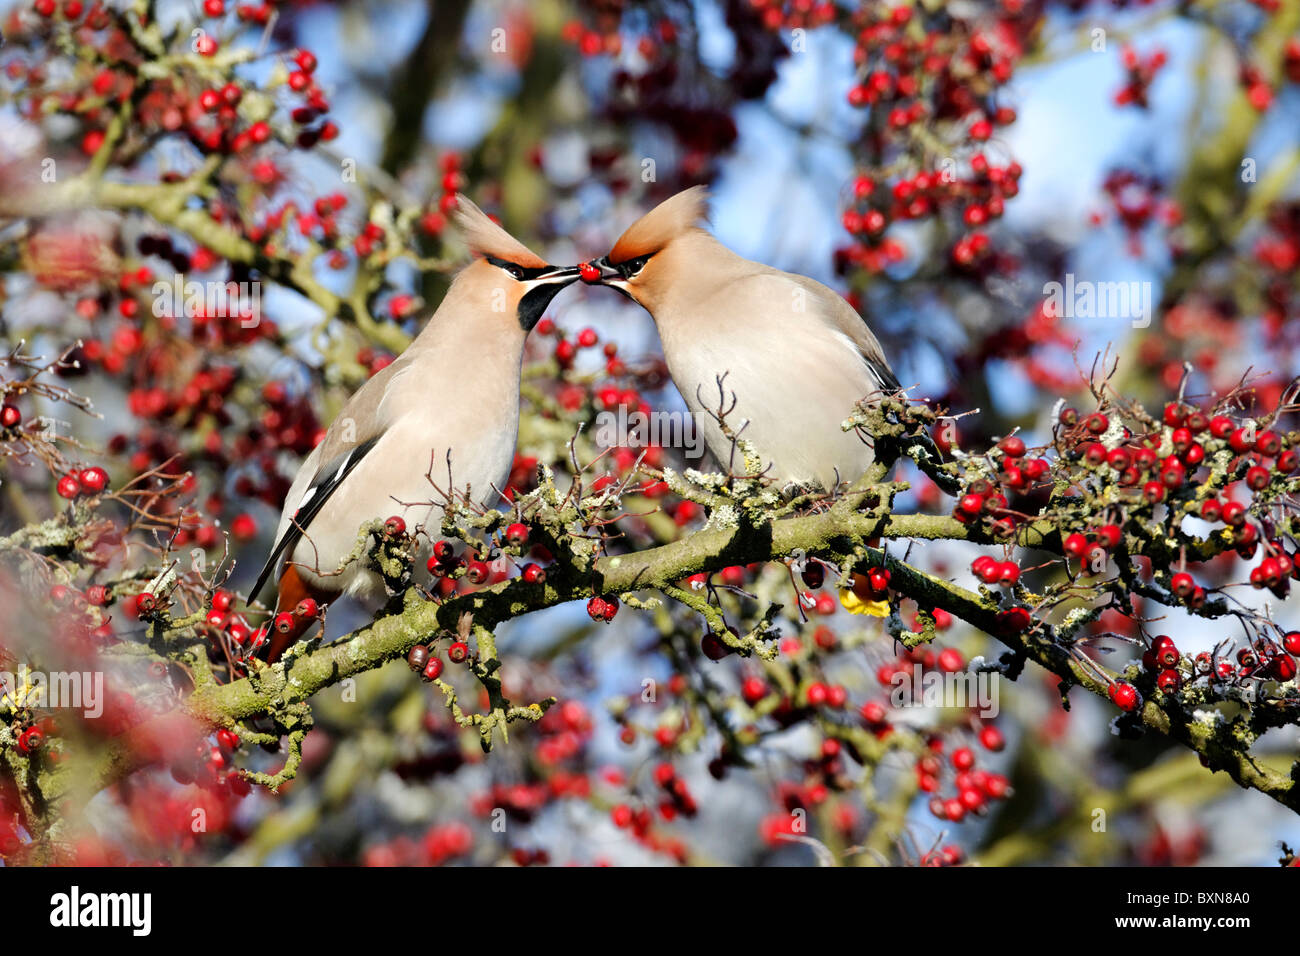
555	275
600	272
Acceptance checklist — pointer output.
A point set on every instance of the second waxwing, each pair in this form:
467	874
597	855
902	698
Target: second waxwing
793	355
441	419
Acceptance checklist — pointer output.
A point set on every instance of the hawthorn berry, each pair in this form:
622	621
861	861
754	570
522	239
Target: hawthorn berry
1124	696
714	648
68	486
417	657
1075	544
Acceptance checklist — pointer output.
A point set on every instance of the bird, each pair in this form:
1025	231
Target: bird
445	411
783	354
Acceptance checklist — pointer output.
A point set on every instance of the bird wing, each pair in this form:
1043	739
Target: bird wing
324	484
356	431
845	319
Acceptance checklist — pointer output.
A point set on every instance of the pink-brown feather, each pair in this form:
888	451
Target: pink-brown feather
485	238
668	220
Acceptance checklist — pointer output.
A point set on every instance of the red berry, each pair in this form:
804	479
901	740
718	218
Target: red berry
94	480
1268	444
284	622
1291	641
1014	619
433	668
588	272
395	526
307	608
1125	696
68	486
417	657
713	647
950	660
991	738
873	713
1257	478
458	652
753	690
534	574
10	416
1282	667
1097	423
1013	446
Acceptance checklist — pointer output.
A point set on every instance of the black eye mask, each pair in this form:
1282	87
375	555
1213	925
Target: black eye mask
525	274
534	302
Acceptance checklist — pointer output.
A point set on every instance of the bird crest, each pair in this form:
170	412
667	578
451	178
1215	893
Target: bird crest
485	238
673	217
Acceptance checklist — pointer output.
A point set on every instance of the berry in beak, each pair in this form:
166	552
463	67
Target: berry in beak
589	272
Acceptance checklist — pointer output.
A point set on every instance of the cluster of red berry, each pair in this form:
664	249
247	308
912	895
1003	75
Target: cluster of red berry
88	481
1141	72
922	79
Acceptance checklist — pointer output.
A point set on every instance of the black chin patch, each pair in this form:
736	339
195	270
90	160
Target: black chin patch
534	303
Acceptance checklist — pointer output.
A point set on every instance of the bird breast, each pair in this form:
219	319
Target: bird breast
794	380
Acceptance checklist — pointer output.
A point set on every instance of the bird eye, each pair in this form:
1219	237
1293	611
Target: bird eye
515	271
633	266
